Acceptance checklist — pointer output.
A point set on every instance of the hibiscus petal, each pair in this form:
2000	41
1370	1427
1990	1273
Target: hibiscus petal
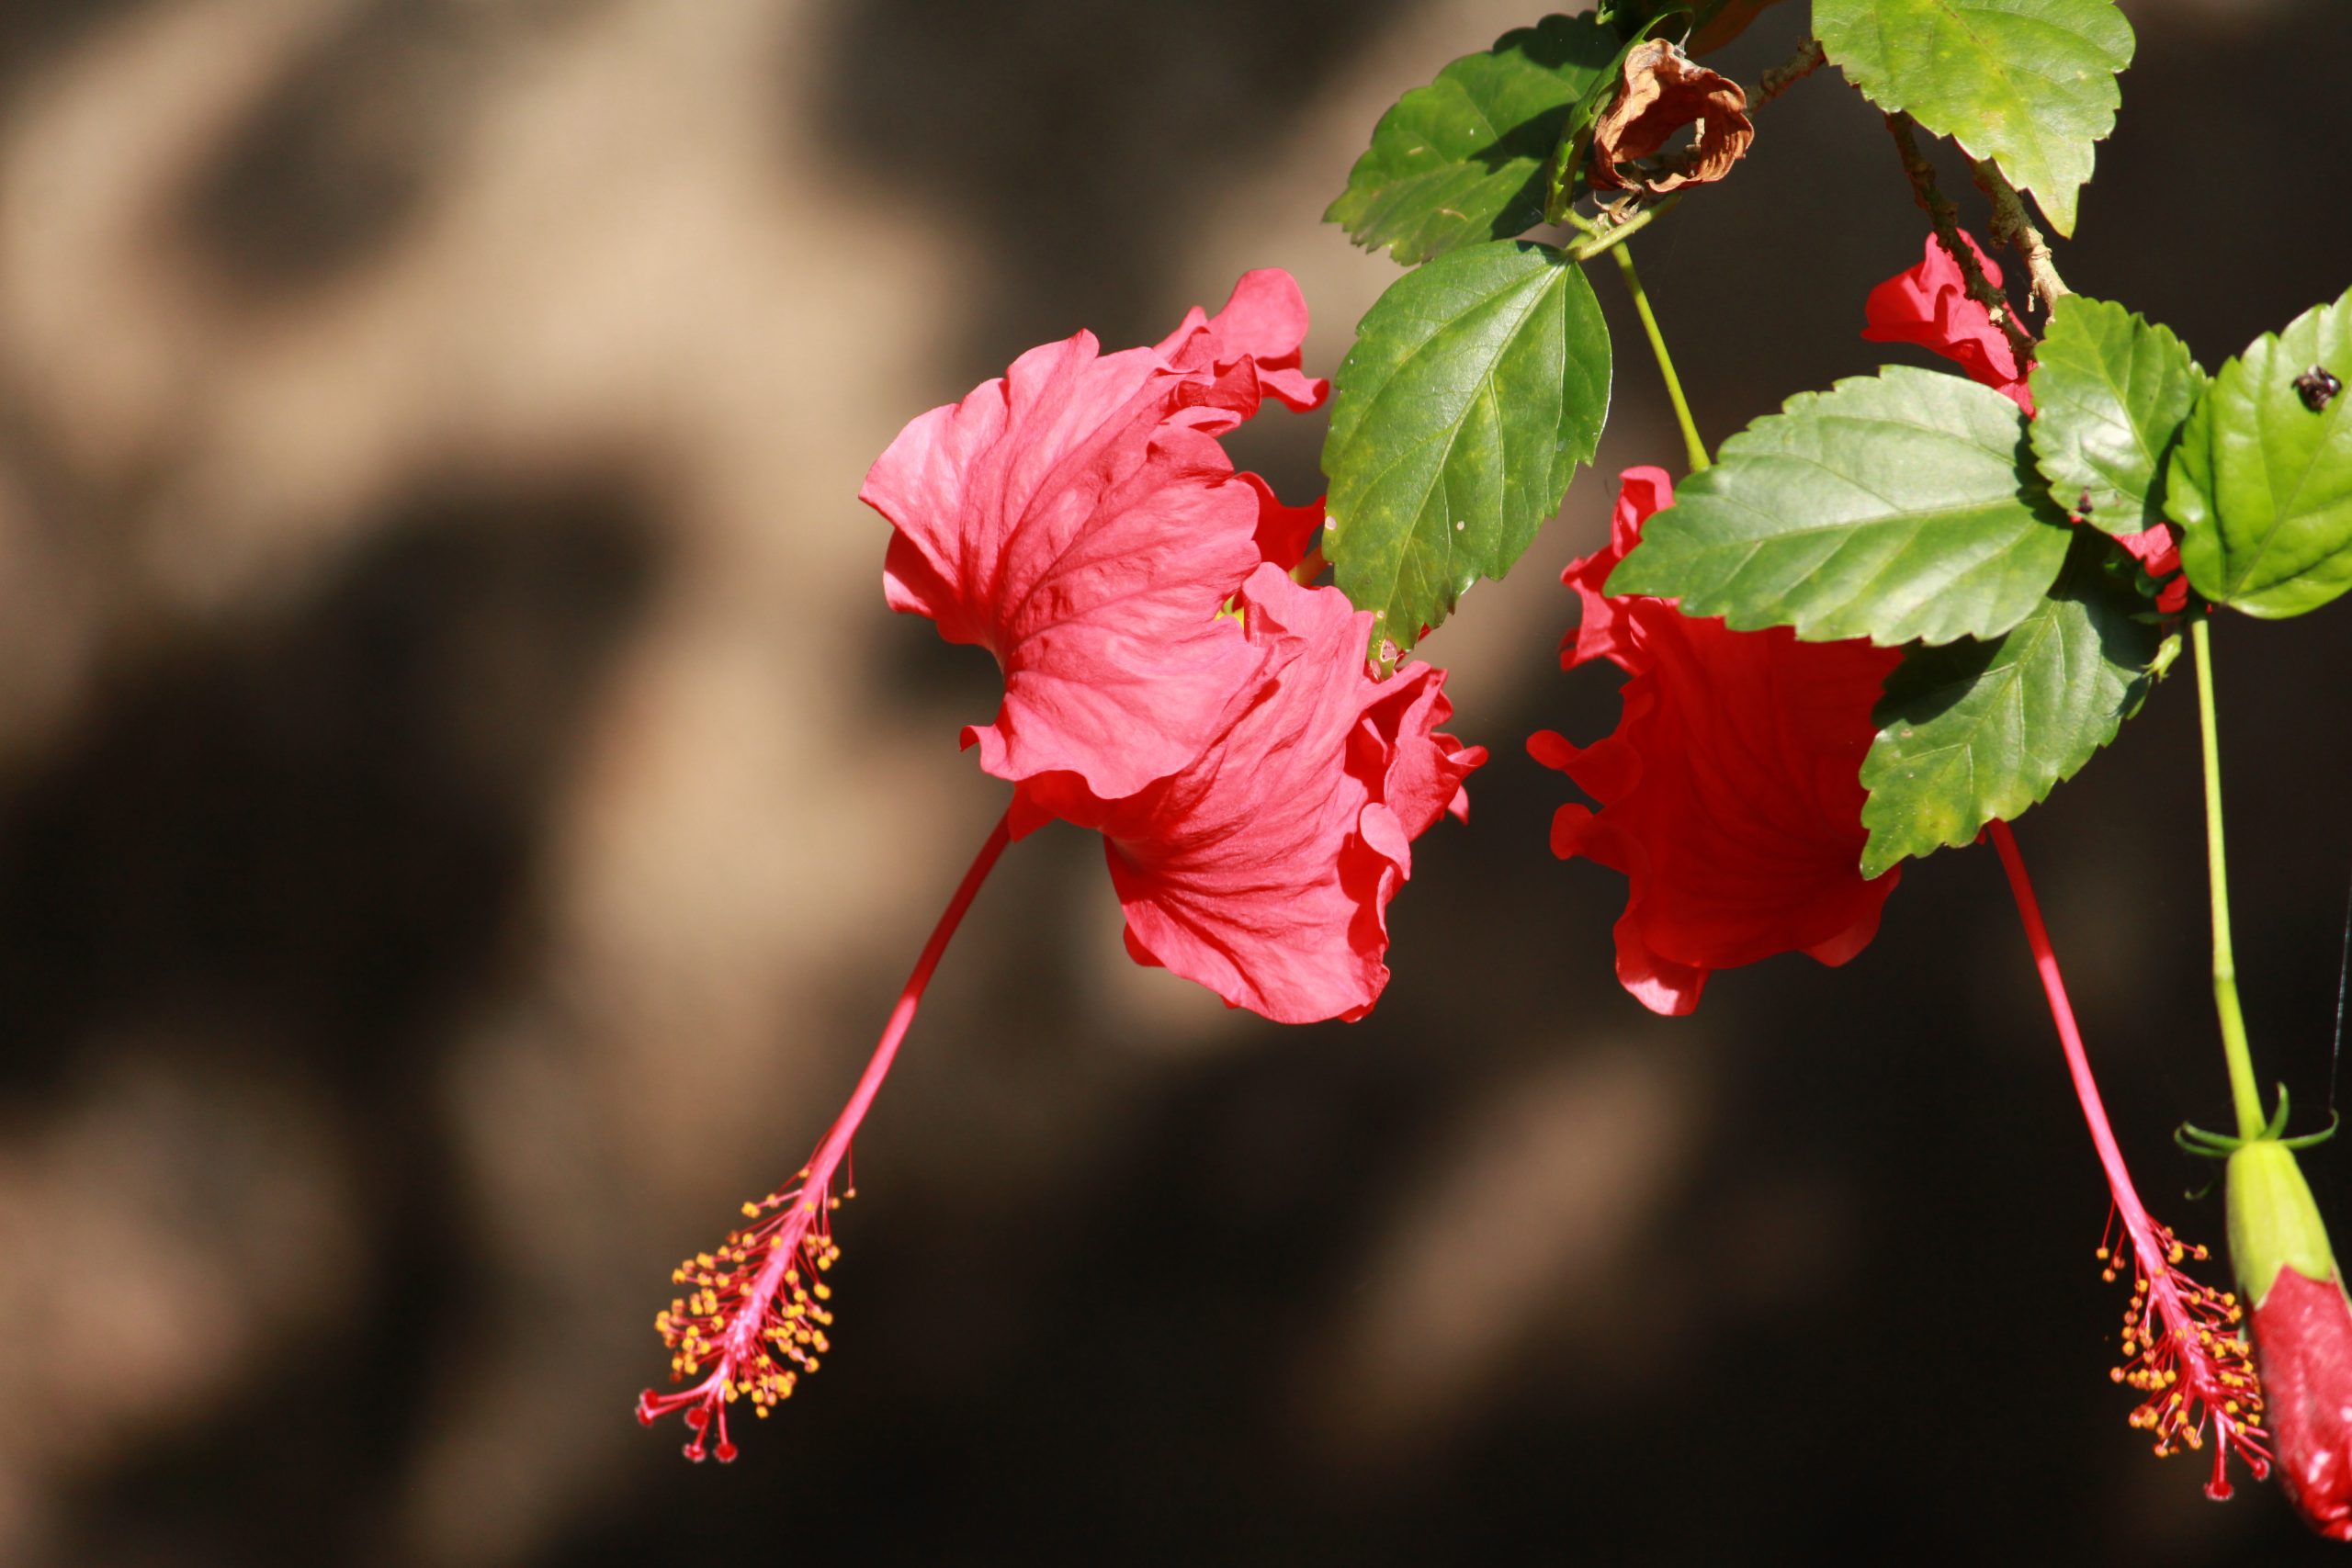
1264	871
1285	533
1264	324
1077	518
1929	305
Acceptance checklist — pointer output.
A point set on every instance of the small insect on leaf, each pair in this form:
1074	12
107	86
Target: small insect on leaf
2317	387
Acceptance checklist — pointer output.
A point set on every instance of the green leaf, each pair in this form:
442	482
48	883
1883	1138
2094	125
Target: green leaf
2028	84
1476	385
2112	391
1976	731
1900	507
2261	483
1463	159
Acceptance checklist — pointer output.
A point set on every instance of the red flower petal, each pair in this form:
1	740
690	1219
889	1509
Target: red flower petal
1285	533
2157	548
1263	870
2302	1345
1929	305
1730	795
1262	325
1078	519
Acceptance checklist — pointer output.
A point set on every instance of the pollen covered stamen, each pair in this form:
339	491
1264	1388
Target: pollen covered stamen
754	1317
2186	1352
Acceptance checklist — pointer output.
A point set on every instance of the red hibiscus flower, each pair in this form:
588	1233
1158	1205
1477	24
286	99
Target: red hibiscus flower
1264	869
1079	519
1929	305
1730	791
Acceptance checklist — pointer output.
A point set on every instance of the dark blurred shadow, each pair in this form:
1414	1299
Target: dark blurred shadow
328	818
344	153
35	32
323	830
1059	150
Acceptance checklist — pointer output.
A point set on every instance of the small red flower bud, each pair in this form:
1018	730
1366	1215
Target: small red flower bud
2302	1327
2302	1336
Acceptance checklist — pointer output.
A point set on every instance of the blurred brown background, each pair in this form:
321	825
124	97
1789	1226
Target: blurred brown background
463	811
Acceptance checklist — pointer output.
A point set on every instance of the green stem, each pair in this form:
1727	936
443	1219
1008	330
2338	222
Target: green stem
2243	1093
1692	445
1598	238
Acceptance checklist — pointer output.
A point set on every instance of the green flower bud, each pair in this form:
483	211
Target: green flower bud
2274	1223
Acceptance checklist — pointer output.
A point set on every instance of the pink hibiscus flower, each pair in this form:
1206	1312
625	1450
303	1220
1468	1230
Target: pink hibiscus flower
1166	682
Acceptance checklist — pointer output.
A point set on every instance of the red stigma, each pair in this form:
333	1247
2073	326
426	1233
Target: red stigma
2185	1350
754	1319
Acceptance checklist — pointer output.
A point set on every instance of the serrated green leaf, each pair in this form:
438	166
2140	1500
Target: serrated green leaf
1463	159
1900	507
2261	482
2028	84
2112	391
1476	384
1976	730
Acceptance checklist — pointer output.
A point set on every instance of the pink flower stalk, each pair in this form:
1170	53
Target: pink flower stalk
755	1318
2184	1349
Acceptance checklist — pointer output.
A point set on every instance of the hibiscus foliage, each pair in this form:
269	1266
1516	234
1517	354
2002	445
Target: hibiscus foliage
1897	614
1913	509
1897	507
2261	482
1475	389
2028	84
2115	390
1463	159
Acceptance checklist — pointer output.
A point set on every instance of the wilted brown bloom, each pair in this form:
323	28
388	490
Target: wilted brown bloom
1661	92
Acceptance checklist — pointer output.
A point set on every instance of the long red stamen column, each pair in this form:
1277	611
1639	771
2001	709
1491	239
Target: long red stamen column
2182	1345
754	1318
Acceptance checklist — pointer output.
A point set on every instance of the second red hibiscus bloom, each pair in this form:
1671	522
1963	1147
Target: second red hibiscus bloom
1730	792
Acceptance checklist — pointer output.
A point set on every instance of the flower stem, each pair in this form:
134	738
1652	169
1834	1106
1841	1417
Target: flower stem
2181	1347
877	1067
756	1318
1599	238
1694	447
2245	1096
2070	1037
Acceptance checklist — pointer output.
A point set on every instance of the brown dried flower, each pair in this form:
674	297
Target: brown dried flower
1661	92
